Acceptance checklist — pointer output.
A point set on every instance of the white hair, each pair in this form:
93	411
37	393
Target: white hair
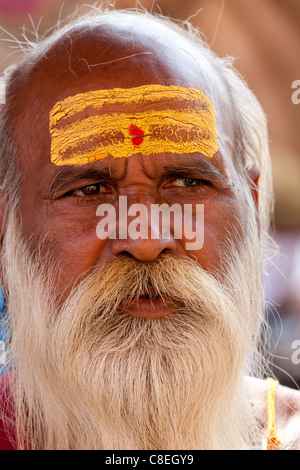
251	148
251	136
90	376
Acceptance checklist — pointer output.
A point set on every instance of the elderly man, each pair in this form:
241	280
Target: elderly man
122	332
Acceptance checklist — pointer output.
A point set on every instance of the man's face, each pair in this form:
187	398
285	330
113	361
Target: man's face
59	201
154	329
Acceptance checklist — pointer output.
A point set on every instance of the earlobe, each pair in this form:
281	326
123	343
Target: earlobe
3	211
253	174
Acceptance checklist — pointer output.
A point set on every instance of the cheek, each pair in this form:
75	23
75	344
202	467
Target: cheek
222	222
76	254
69	242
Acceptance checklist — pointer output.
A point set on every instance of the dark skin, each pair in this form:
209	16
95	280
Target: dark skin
58	204
64	215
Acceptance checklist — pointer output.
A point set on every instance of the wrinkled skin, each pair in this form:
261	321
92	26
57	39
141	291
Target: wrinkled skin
68	223
66	219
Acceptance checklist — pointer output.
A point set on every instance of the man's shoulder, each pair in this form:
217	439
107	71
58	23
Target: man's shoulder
287	406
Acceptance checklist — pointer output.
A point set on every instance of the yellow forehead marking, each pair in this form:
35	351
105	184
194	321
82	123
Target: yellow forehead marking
121	122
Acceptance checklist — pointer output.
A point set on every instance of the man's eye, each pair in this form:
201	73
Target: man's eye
189	182
90	190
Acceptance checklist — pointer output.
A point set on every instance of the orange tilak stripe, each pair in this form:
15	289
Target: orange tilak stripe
150	119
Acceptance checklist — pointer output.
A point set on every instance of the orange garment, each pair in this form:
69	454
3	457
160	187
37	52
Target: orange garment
272	438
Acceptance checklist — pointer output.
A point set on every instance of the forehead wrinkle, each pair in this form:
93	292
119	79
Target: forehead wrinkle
83	128
68	174
202	166
197	159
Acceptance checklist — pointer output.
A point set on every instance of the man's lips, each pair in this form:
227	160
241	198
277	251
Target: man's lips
148	307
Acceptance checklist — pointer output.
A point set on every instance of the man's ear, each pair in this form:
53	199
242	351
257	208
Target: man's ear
253	174
3	212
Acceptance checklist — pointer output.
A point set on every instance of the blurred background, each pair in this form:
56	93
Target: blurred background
264	37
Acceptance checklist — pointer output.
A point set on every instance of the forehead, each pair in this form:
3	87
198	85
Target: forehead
122	122
72	69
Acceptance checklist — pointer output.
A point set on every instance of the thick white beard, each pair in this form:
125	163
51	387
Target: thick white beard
90	376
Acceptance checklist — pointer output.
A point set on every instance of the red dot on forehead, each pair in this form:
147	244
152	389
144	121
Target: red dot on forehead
137	134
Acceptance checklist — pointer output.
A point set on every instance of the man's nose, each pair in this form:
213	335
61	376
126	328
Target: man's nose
153	237
145	250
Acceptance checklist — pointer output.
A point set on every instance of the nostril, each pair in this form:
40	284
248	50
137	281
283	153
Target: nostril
167	251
